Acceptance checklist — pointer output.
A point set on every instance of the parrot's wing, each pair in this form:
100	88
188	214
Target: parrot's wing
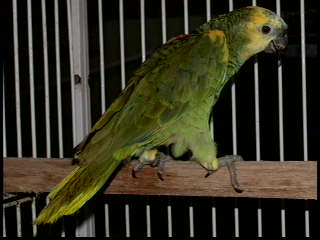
164	88
124	96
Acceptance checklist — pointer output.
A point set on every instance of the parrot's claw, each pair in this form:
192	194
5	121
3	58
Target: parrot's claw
136	169
158	161
161	160
229	161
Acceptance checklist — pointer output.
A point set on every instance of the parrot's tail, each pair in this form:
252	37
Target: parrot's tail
76	189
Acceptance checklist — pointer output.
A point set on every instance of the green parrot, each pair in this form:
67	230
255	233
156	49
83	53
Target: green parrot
167	105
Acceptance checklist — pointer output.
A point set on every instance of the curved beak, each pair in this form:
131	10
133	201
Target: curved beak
279	44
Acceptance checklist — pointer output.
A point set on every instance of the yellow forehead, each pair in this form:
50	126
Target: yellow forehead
261	18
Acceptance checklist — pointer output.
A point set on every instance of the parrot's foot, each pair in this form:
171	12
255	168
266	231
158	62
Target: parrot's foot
153	158
229	161
160	162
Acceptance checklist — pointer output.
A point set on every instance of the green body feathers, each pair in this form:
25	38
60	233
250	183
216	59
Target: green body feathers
167	102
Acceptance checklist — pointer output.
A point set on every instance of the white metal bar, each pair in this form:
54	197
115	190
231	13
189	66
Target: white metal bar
259	219
257	128
186	16
80	70
106	217
214	222
31	81
4	232
304	102
304	84
33	211
307	221
234	137
122	54
16	76
143	32
127	217
102	68
148	220
230	5
46	76
79	66
71	73
163	21
4	133
280	96
208	8
58	80
47	200
256	105
63	232
283	219
169	221
18	214
191	224
236	222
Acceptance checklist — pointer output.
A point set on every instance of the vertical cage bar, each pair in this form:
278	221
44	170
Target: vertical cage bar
259	219
4	133
106	218
280	96
256	101
257	129
214	221
169	220
17	76
33	212
236	222
127	217
58	80
71	73
191	224
31	81
163	21
143	32
186	16
63	232
307	222
234	138
46	76
148	220
283	219
304	102
256	106
79	68
4	232
304	84
122	54
102	68
18	214
208	8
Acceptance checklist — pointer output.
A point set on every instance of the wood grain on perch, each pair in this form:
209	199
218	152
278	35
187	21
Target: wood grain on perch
264	179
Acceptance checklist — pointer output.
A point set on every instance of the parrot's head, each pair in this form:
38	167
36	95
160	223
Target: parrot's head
250	30
263	30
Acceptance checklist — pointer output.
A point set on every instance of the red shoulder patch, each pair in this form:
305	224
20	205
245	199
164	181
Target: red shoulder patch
179	37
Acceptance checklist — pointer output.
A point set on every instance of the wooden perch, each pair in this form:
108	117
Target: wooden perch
265	179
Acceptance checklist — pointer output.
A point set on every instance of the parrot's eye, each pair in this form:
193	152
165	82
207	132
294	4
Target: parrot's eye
266	29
